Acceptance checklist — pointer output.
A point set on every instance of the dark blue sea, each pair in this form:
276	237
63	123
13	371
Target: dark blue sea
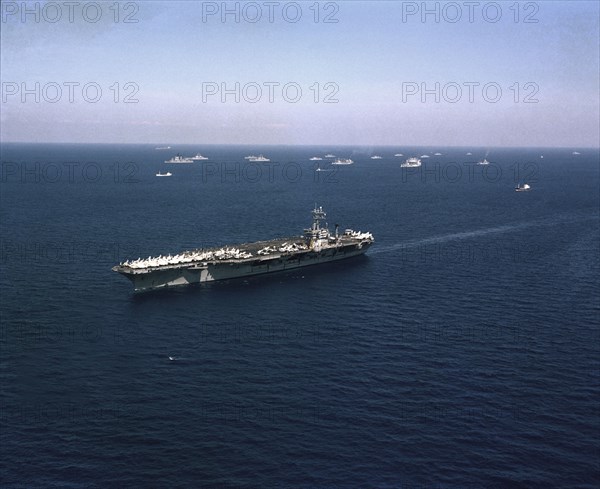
463	351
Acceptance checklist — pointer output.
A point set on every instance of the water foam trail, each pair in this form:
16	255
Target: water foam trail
553	221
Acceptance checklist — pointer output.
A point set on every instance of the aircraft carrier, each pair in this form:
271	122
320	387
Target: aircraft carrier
317	245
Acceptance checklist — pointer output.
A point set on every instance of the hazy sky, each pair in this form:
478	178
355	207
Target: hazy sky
371	66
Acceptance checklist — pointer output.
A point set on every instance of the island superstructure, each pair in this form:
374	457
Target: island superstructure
317	245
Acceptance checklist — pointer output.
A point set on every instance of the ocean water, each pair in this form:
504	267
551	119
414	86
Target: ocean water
461	351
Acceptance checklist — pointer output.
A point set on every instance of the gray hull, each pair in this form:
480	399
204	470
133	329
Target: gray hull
144	280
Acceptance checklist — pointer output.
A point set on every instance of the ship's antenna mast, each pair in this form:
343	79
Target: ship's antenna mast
318	215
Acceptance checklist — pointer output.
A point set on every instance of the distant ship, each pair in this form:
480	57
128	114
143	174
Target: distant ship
412	162
251	157
437	154
316	158
321	169
329	155
576	153
163	147
342	161
424	156
522	188
179	159
376	157
259	158
317	246
398	154
484	161
168	174
469	154
199	157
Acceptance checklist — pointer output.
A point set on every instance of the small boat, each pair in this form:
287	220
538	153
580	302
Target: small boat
398	154
424	156
329	155
315	158
199	157
576	153
376	157
259	158
163	147
469	154
484	161
179	159
437	154
168	174
322	169
342	161
522	188
412	162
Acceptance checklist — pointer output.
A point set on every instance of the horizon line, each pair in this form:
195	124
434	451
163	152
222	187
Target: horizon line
301	145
